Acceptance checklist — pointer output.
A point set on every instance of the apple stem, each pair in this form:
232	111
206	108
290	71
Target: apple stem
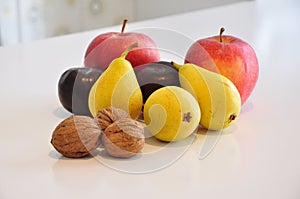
221	32
124	25
127	50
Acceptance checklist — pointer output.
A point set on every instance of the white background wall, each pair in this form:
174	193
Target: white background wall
27	20
146	9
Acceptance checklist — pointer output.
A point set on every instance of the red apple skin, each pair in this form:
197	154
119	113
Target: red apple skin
106	47
233	58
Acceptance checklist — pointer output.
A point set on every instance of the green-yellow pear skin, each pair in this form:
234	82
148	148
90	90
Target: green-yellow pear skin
117	87
218	98
171	113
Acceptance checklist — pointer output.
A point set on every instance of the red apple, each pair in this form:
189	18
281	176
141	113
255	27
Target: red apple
229	56
108	46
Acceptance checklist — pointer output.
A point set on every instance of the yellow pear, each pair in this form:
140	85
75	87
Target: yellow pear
117	87
171	113
218	98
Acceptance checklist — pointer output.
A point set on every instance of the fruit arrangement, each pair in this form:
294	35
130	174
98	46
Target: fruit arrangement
125	88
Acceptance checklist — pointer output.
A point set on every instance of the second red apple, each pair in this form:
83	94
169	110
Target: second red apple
229	56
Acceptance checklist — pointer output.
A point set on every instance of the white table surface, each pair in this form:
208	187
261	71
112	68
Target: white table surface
258	157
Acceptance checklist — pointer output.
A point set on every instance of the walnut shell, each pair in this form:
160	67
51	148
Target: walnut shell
124	138
76	136
107	116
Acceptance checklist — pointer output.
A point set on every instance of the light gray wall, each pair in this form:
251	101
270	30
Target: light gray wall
146	9
27	20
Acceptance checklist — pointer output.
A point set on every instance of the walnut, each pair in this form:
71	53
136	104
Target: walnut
124	138
107	116
76	136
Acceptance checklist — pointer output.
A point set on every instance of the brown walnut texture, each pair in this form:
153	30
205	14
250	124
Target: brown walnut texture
107	116
124	138
76	136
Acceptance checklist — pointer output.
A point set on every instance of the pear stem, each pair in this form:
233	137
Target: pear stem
124	25
221	32
176	66
127	50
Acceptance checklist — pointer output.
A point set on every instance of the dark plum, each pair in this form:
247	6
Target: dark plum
154	76
74	86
